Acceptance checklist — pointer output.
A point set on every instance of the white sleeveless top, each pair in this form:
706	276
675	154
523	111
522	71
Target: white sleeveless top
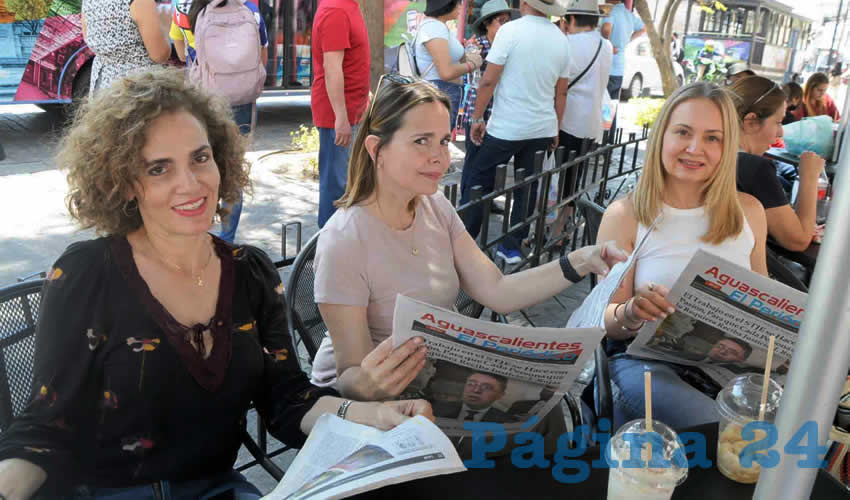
676	238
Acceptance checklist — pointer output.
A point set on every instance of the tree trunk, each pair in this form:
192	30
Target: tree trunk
373	13
660	42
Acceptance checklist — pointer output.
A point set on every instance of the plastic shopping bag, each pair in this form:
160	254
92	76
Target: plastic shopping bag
552	200
813	134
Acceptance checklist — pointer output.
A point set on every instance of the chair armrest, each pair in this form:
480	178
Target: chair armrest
262	459
603	398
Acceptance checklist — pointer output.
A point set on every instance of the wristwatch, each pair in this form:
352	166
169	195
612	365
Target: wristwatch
476	121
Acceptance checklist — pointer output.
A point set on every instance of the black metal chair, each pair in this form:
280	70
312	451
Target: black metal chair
777	270
19	309
305	321
601	399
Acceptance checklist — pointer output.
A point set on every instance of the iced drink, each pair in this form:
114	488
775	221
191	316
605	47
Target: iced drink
644	483
738	404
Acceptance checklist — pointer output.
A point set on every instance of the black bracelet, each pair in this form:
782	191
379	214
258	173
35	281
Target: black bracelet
569	271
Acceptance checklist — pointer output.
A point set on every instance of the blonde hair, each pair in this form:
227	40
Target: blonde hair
102	151
386	116
726	216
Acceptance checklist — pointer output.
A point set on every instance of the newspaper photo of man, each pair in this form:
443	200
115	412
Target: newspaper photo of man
730	350
480	392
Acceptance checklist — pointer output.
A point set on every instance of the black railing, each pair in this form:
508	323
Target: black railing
600	168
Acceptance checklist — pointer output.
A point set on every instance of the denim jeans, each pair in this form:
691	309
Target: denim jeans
674	401
454	91
177	490
333	171
243	115
480	170
615	83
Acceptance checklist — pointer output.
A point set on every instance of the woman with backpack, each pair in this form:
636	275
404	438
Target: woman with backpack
440	57
237	73
125	36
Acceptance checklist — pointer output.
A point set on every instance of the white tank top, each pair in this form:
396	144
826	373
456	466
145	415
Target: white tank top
676	238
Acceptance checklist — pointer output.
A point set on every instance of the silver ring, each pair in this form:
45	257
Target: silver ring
651	286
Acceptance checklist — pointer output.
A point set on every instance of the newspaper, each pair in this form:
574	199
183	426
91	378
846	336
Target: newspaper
341	458
490	372
725	315
591	312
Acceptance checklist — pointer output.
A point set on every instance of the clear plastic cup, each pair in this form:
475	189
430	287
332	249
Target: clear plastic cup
738	404
645	483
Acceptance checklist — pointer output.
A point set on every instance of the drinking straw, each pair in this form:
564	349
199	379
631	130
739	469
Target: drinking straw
647	398
766	377
647	401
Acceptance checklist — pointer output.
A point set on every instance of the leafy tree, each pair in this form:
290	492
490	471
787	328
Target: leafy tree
28	10
31	12
661	35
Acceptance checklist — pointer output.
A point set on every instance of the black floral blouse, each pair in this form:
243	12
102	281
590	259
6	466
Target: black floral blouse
121	398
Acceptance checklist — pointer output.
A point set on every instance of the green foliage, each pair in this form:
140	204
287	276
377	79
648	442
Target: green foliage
645	110
64	7
306	140
28	10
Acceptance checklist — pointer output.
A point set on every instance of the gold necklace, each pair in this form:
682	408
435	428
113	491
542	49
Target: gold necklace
413	249
199	278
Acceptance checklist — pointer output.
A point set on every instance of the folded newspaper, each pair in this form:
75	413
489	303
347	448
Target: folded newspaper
490	372
725	315
341	458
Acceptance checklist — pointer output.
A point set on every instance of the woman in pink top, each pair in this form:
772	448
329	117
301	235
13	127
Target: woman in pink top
816	101
394	233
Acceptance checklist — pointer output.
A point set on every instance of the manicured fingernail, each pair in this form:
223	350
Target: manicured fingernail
671	310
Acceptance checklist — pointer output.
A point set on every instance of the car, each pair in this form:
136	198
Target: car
641	76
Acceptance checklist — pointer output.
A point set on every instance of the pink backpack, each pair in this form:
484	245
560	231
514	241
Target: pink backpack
227	44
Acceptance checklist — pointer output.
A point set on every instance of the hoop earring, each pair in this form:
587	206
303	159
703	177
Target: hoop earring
130	207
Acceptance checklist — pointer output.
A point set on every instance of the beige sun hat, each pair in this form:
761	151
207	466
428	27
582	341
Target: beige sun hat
587	8
549	7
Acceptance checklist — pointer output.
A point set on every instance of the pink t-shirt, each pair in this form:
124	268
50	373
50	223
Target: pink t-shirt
360	261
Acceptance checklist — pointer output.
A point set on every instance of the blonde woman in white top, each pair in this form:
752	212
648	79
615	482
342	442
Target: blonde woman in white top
688	185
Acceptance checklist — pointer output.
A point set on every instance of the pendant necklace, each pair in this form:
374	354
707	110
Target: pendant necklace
413	249
199	278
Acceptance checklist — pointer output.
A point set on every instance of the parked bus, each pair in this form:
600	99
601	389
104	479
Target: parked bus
764	33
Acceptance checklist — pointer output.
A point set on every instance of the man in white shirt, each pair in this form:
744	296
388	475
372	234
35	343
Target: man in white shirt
527	67
590	66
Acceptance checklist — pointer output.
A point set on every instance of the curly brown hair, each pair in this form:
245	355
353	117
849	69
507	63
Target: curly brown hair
101	151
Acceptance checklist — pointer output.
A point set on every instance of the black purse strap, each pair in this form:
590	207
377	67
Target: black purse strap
598	48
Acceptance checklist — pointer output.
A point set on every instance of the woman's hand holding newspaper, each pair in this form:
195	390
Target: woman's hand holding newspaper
649	303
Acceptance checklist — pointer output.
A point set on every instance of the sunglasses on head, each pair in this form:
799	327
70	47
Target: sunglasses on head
389	80
771	89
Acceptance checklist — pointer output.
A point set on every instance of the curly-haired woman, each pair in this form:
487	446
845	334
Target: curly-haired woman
154	339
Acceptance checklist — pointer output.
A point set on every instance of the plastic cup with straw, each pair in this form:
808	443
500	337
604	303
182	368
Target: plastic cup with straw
626	481
745	399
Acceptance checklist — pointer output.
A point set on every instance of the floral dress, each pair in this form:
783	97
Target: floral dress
122	399
112	34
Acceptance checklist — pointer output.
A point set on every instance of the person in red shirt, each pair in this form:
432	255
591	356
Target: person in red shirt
816	101
340	92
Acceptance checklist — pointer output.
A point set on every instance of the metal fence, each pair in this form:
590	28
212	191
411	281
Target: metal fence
602	174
